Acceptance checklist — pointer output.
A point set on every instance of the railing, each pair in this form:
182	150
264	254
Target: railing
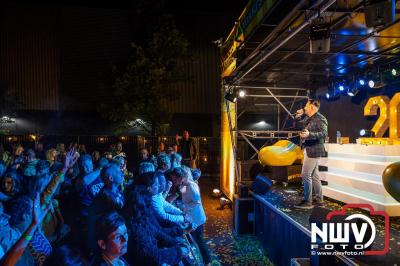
208	148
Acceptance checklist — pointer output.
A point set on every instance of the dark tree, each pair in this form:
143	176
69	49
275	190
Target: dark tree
144	89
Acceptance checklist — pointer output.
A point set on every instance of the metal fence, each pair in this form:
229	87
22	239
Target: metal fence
208	155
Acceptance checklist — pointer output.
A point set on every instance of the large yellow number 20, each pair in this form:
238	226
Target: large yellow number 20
388	112
394	117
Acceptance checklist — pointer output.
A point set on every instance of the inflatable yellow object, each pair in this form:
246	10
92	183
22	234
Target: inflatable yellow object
282	153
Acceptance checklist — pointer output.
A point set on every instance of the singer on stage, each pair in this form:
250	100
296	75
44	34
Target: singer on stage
312	137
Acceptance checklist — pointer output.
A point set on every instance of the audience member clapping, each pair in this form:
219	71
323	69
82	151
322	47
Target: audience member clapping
67	207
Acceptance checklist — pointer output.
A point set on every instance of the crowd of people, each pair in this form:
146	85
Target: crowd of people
65	206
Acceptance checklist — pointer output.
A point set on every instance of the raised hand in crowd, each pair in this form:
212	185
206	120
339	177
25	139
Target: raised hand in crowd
70	159
38	213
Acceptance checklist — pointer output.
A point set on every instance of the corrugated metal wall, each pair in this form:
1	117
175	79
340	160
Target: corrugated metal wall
92	41
29	58
202	93
61	57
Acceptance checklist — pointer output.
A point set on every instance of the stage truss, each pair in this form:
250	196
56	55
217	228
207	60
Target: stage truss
249	135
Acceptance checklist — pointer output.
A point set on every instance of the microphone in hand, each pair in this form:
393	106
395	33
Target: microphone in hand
299	113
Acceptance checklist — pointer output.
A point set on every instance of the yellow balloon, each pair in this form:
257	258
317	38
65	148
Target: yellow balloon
282	153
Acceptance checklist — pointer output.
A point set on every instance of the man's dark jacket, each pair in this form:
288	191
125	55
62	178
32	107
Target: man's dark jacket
317	125
192	148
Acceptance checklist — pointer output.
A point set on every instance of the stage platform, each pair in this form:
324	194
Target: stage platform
285	231
355	174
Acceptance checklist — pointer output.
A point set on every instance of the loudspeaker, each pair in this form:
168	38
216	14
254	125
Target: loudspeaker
249	169
243	215
320	38
320	46
379	13
243	190
261	184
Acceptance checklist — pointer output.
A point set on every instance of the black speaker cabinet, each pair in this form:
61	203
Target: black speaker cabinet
243	215
249	169
379	12
289	174
243	190
320	41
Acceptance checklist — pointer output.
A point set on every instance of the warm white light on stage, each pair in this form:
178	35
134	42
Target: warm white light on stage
216	193
261	125
371	83
224	202
376	81
395	72
242	93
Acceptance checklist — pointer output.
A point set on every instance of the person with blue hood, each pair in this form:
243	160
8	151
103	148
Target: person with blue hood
10	186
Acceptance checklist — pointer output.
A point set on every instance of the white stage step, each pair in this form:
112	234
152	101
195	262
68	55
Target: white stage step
357	149
392	209
357	165
371	158
355	174
360	181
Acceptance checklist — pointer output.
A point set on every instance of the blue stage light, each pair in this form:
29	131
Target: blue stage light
341	87
361	82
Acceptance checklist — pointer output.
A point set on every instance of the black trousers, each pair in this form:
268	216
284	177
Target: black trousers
198	237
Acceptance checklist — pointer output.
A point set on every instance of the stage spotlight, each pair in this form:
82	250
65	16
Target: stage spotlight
216	193
327	95
395	72
352	92
361	81
332	94
371	83
224	202
230	96
376	82
242	93
367	133
341	88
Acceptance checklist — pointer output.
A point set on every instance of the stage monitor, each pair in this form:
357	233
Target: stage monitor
261	184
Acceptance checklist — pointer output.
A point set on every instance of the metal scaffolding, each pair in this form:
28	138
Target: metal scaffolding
249	135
